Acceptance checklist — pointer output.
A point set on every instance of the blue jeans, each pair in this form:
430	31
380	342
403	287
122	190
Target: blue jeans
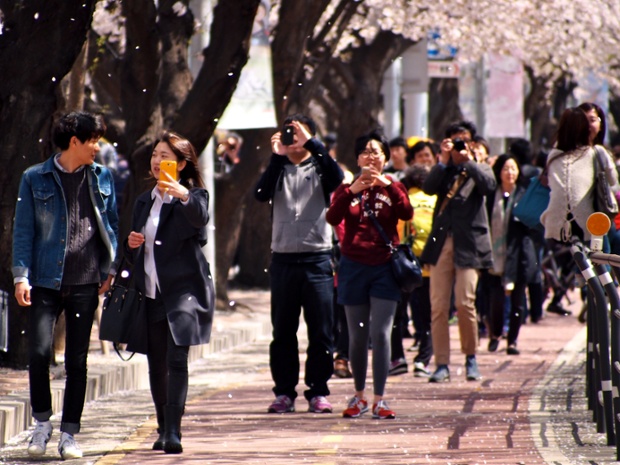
79	304
307	284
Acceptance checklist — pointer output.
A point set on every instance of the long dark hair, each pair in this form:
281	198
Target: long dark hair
573	130
184	150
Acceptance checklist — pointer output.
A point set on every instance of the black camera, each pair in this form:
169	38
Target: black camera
287	135
459	144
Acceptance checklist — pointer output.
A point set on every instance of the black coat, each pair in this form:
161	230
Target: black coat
465	215
183	272
522	263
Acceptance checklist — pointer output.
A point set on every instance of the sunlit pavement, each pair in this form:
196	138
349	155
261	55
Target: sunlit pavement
527	409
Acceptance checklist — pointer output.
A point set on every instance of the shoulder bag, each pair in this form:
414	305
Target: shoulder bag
405	266
123	319
534	202
604	198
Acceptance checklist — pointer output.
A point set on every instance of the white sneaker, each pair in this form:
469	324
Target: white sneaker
68	448
41	435
420	370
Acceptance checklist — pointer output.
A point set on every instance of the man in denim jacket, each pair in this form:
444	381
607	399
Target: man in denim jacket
64	241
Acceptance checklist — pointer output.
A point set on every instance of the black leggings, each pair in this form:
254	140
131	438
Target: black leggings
168	373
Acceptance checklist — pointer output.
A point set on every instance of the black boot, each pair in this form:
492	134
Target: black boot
172	436
161	428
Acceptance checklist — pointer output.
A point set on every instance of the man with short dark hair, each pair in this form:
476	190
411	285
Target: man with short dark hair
298	181
64	242
459	245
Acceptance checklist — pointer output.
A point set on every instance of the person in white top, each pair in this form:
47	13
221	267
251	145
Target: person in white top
570	169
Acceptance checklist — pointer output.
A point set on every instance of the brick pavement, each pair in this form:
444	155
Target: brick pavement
528	409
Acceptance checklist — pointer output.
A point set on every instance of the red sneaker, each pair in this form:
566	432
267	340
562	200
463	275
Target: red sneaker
356	408
381	411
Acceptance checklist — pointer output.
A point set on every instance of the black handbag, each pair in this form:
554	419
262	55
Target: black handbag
123	318
405	265
604	200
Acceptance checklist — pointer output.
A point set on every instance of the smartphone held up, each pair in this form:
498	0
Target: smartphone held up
170	167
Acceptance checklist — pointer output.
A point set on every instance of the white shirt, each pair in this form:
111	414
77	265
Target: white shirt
151	281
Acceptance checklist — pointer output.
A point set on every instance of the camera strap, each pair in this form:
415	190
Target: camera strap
458	182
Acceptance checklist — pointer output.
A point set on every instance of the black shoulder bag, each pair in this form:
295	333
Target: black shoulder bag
123	318
405	265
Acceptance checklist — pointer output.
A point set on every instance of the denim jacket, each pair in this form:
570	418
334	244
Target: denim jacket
40	229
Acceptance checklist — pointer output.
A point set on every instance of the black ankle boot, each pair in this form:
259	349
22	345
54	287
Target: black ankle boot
172	436
161	428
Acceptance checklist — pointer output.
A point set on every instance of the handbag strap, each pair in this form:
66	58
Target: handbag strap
118	352
375	221
125	281
599	164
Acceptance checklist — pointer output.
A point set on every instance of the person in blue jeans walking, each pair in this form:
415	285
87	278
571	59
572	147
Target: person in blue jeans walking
298	180
64	242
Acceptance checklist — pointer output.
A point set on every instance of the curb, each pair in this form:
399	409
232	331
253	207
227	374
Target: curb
108	374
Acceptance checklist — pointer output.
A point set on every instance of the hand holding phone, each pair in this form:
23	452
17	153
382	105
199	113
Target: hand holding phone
170	167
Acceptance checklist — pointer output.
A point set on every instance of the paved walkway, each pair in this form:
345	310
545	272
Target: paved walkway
528	409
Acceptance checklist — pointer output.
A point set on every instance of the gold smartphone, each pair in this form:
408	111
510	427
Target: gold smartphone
170	167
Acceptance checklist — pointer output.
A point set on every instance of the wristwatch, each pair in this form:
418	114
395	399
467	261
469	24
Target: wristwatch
185	198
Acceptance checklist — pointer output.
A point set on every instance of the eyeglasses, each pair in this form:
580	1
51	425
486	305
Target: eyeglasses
371	153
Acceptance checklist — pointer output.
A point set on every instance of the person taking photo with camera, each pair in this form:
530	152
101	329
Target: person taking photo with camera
459	245
298	181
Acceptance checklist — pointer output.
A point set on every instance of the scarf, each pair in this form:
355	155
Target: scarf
499	230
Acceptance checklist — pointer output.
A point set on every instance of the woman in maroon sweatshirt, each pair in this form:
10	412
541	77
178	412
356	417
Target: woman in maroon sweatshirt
366	286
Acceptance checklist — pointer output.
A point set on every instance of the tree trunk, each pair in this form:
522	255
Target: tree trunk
444	108
234	192
31	70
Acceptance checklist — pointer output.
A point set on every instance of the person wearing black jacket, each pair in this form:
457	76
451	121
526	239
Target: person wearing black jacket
514	255
170	269
458	247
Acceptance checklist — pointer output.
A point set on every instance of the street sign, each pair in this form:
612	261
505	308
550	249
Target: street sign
443	69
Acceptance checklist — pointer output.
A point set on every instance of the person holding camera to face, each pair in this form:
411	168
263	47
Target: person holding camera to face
298	181
459	245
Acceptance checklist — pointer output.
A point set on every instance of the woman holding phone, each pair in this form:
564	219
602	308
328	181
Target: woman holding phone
168	233
366	285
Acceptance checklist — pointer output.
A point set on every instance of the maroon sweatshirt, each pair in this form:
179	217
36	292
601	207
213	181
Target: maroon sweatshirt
362	242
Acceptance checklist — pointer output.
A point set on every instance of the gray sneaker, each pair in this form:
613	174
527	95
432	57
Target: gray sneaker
68	448
40	437
441	375
471	369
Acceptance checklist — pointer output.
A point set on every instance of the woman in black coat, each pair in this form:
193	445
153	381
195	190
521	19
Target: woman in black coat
514	255
168	233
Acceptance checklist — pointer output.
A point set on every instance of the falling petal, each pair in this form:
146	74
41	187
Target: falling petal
231	303
36	15
124	274
157	242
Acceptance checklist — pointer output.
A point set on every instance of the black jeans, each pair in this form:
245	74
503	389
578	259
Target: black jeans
168	370
420	303
79	304
309	284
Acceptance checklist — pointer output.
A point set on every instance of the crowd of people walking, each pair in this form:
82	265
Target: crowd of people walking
452	202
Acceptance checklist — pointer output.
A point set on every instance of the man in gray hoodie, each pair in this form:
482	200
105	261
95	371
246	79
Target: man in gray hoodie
298	181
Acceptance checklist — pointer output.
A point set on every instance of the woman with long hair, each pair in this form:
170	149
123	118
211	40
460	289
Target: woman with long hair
571	172
167	235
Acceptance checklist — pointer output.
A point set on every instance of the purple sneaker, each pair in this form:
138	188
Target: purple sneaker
282	404
319	404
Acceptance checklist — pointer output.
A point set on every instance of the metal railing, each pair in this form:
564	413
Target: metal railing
603	339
